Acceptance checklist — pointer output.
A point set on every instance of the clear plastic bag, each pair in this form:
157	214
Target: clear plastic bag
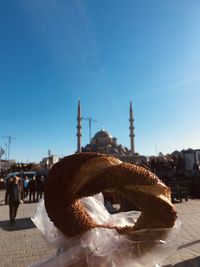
101	247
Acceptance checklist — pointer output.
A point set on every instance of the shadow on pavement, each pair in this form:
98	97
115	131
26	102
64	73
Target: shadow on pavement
2	202
190	244
194	262
20	224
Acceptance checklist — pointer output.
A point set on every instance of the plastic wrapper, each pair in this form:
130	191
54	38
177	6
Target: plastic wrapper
101	247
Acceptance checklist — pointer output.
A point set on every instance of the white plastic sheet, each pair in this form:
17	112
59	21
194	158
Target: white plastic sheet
101	247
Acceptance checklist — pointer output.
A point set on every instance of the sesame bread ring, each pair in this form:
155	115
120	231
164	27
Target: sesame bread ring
86	174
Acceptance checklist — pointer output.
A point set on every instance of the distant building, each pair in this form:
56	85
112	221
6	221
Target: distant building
6	164
48	162
103	142
104	137
191	157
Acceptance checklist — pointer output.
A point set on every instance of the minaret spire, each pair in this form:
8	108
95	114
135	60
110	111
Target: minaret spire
132	135
79	127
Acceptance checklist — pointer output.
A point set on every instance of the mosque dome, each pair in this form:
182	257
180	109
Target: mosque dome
102	134
102	138
103	142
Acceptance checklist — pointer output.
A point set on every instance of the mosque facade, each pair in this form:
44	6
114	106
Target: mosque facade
103	142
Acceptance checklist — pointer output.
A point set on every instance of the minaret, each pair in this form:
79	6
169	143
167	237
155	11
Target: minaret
79	127
131	130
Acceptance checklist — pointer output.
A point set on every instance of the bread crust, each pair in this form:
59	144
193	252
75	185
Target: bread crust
86	174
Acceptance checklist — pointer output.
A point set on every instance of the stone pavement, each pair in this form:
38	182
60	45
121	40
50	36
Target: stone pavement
188	253
22	244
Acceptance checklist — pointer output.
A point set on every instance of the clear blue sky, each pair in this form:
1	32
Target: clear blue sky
107	53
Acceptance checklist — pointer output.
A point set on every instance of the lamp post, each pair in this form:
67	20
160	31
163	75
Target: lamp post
6	151
9	144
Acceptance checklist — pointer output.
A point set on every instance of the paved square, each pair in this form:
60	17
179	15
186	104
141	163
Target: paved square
22	244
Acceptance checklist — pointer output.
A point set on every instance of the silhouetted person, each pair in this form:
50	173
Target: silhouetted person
195	168
39	186
110	207
32	189
26	181
14	195
21	183
6	195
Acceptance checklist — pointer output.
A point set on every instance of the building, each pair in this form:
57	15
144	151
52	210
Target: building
48	162
103	142
192	158
6	164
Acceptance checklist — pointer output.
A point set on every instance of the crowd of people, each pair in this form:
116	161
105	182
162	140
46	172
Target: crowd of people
19	190
172	168
172	171
168	169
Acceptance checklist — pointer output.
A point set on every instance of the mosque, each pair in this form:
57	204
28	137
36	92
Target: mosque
103	142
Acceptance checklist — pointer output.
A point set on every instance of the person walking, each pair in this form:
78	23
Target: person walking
6	194
26	182
40	187
14	197
32	189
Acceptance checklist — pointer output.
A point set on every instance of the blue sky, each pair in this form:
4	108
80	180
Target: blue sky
107	53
